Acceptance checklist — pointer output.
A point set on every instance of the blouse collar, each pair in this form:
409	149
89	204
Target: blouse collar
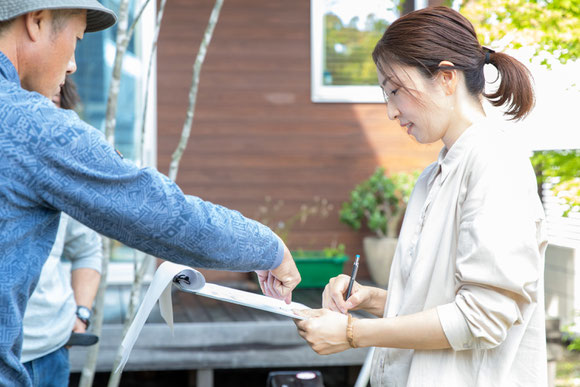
448	159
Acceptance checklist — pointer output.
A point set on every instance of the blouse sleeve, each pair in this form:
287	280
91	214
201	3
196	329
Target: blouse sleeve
499	261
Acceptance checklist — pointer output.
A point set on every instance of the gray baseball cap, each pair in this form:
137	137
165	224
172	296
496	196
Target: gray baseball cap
98	16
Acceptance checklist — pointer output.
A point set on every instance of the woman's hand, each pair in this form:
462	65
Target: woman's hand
324	330
335	292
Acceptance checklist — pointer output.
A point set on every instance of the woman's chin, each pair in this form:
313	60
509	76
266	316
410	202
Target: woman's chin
422	139
419	139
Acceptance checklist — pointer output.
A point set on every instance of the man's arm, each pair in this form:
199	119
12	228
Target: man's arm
79	173
85	283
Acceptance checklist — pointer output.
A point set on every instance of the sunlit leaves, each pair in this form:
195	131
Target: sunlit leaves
550	26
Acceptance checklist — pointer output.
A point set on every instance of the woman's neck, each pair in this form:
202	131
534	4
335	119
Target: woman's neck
466	112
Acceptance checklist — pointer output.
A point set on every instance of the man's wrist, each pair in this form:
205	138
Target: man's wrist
84	314
280	253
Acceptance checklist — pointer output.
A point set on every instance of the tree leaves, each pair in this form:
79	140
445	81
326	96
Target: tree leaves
550	26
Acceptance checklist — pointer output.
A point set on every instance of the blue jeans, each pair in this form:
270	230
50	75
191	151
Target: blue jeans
51	370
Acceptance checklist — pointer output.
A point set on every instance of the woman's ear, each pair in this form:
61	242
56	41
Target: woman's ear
447	77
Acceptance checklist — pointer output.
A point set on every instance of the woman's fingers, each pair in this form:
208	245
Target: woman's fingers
355	298
334	293
323	330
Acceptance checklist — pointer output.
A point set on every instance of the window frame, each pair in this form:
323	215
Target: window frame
321	93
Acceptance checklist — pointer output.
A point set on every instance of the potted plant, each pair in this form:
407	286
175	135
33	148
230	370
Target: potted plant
316	267
379	203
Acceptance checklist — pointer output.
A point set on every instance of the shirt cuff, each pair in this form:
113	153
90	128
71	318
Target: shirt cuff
279	254
92	263
455	327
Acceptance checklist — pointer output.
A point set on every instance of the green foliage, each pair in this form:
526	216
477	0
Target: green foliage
574	345
379	201
353	65
331	252
562	166
568	334
328	252
556	163
551	26
567	372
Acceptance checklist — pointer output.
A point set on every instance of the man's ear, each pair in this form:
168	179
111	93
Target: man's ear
447	77
36	23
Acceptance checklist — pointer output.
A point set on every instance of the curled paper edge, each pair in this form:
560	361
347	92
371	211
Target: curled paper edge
159	289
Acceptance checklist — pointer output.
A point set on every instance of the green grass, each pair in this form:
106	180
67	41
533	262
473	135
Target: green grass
568	373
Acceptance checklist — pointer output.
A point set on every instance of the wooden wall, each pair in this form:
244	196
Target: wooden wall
256	132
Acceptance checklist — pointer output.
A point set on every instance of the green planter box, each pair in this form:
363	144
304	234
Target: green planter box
315	269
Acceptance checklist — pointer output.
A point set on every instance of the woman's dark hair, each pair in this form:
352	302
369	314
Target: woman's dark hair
424	38
69	97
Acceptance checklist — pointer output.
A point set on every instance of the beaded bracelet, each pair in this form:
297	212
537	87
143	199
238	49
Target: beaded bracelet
350	331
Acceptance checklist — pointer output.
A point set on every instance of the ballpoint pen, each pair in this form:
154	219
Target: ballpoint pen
352	276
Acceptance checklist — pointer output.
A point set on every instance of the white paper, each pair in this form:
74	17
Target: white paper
191	281
252	300
159	289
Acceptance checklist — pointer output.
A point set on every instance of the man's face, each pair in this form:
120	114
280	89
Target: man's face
56	50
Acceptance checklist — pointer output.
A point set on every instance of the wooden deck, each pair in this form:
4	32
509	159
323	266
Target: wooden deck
211	334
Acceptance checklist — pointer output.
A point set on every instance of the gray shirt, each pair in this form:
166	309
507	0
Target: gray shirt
50	315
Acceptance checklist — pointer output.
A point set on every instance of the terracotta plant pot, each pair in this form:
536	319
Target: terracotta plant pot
379	254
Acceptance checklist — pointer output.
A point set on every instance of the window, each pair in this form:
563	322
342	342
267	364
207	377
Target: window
343	35
95	56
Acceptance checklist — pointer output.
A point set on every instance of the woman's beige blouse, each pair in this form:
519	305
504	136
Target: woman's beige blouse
472	245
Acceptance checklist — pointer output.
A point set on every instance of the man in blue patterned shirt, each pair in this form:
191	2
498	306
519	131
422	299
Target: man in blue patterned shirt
51	161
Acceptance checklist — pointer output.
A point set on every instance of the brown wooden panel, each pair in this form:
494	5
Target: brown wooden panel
256	131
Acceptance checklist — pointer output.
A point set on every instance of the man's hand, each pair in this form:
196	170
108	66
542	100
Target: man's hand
79	326
280	282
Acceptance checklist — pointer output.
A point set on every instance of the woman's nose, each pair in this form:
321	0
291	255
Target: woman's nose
392	110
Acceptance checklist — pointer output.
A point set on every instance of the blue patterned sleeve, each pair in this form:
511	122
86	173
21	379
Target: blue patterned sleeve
81	174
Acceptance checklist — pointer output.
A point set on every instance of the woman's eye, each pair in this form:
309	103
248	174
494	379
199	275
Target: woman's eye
394	92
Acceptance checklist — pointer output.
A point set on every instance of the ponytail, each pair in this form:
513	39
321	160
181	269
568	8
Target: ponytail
424	38
515	90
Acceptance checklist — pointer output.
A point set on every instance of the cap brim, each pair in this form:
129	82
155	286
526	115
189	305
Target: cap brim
100	19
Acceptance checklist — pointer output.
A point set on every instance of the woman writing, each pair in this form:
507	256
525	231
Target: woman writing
465	300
